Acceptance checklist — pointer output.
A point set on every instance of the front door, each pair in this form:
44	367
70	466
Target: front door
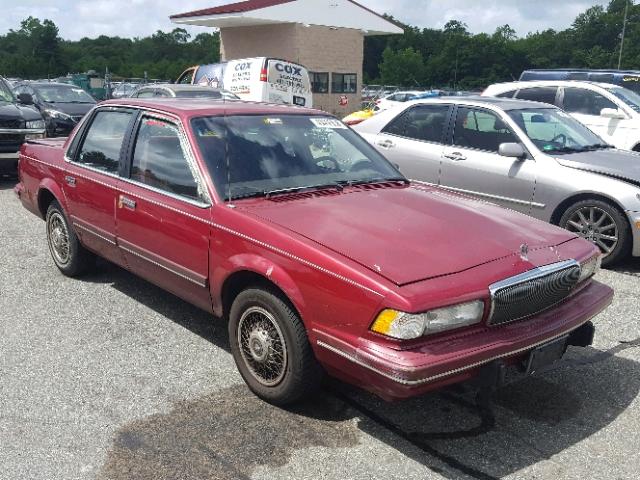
163	214
91	181
586	106
414	141
472	165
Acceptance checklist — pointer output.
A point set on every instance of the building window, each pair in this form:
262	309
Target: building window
319	82
344	83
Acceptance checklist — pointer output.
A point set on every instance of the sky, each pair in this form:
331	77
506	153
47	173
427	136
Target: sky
139	18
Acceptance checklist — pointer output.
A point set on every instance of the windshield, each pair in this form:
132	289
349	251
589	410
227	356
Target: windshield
6	95
275	154
63	94
206	93
629	97
554	131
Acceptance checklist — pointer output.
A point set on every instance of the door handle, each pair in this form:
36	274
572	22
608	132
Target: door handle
126	202
455	156
71	181
386	143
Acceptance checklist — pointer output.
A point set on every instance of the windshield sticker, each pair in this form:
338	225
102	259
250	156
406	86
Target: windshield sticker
273	121
327	123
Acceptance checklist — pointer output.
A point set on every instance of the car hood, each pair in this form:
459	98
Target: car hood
73	109
621	164
409	233
13	115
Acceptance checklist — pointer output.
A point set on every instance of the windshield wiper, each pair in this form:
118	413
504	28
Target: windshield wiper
598	146
565	150
323	186
370	181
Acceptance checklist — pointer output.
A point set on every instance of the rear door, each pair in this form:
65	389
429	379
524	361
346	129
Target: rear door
471	163
287	83
163	212
414	140
91	183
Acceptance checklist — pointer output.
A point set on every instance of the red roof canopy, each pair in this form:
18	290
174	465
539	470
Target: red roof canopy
238	7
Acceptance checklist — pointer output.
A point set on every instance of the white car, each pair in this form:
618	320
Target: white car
611	111
397	98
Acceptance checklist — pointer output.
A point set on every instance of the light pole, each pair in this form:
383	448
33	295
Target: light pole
624	29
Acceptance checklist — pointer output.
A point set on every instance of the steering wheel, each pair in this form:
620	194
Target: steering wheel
360	165
327	163
558	137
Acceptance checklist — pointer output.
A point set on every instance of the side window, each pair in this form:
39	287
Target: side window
426	123
508	94
396	126
162	94
586	102
160	162
187	76
539	94
103	142
146	93
481	130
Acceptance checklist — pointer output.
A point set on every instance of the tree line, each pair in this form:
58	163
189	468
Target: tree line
450	57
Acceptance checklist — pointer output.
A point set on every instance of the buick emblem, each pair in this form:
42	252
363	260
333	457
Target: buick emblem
524	251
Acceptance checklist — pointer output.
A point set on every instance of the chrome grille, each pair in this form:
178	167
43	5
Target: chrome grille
532	292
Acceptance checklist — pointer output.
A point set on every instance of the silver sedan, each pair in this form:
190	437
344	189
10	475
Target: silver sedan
527	156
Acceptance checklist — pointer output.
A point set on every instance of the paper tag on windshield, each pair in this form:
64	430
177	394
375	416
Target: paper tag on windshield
327	123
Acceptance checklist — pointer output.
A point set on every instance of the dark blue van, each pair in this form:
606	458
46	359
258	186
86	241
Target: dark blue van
625	78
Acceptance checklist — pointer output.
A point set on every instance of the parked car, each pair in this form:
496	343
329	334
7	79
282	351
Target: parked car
259	79
526	156
401	97
322	257
183	91
624	78
61	105
611	111
124	90
18	123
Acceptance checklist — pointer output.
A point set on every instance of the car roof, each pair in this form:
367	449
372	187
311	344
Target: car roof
49	84
476	100
188	107
551	83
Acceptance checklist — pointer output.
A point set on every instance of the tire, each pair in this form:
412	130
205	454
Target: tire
71	258
270	347
604	215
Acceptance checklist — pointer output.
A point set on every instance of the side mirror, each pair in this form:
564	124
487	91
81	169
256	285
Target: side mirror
25	99
612	113
512	150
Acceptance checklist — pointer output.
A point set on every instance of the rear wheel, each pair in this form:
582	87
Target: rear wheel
71	258
270	347
602	224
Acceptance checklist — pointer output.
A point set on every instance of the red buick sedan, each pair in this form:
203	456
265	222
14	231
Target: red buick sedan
319	253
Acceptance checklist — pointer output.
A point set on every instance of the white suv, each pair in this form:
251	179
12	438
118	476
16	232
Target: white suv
611	111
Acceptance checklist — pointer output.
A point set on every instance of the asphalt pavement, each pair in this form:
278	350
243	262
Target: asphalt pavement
109	377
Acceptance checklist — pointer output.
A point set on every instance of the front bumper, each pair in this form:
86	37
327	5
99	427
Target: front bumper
634	221
395	374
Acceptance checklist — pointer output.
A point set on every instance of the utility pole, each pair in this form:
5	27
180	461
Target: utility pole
624	29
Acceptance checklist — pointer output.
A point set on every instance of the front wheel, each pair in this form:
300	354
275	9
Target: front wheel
271	349
602	224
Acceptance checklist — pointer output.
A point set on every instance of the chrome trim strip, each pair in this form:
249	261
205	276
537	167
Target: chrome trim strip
456	370
22	131
296	258
174	196
88	230
181	275
481	194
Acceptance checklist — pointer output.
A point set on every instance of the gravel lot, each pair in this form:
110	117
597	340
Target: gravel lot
108	377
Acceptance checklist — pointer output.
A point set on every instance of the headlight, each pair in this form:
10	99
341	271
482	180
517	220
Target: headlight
590	267
57	114
406	326
35	124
